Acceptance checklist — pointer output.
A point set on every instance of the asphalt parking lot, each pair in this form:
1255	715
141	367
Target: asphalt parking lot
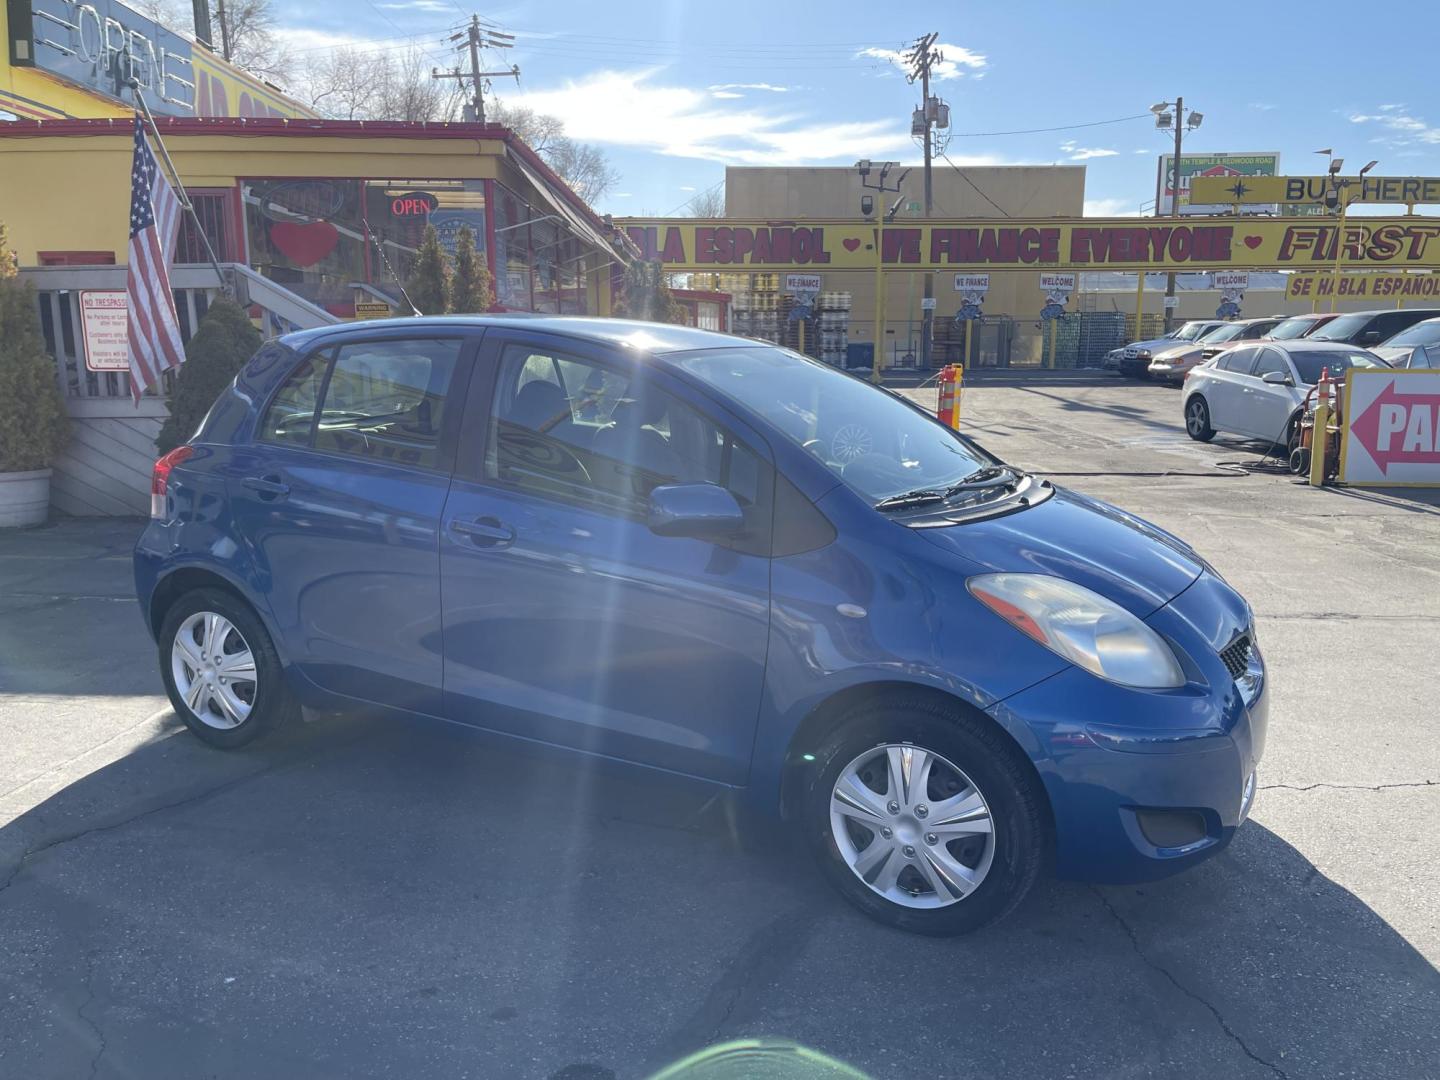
366	898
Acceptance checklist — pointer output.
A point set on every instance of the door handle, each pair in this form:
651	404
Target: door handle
268	487
483	532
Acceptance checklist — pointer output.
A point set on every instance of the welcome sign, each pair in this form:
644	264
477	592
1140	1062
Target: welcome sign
1044	243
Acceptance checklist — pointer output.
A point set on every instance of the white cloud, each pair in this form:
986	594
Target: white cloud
687	187
1085	153
1403	129
771	87
1142	150
1263	106
427	6
622	194
1111	208
635	109
725	94
957	57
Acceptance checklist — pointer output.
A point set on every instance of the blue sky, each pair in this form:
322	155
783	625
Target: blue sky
676	90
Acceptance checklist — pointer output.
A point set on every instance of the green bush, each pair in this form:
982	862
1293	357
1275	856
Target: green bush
223	342
471	291
429	284
33	424
644	295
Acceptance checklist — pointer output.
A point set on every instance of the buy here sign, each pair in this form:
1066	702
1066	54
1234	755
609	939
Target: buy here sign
1392	429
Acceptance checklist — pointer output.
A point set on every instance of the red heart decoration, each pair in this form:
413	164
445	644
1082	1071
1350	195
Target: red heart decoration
1253	242
304	244
850	243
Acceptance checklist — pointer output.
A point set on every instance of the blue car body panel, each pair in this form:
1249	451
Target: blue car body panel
571	627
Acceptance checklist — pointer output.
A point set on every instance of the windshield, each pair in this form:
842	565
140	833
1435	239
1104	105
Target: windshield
1309	363
1297	327
872	440
1422	333
1191	331
1228	332
1343	328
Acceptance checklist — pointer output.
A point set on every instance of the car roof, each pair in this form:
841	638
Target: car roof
1386	311
650	337
1310	345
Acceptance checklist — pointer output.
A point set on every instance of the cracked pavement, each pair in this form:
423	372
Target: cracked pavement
362	897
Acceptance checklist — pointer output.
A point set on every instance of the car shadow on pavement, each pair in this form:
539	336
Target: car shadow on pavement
366	897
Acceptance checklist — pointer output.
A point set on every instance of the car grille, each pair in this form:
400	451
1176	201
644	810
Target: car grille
1237	656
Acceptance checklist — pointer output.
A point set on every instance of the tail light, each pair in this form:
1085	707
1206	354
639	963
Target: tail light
160	479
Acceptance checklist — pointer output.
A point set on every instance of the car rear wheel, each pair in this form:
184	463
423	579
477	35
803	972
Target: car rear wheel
925	818
1197	420
221	670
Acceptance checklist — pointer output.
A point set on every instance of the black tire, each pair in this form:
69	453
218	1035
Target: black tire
273	704
987	757
1197	419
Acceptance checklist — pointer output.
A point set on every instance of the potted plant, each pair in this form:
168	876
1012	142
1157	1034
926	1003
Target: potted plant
33	424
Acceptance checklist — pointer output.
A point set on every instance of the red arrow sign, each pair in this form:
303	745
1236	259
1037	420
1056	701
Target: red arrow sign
1400	428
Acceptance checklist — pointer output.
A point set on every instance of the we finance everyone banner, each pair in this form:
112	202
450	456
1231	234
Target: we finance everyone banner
1045	243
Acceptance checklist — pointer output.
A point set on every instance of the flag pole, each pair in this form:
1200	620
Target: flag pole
181	195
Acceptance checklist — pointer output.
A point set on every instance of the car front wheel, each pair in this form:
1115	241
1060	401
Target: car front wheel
1197	420
221	671
925	818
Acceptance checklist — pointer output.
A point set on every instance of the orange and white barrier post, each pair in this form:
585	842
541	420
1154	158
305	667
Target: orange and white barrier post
1320	432
947	411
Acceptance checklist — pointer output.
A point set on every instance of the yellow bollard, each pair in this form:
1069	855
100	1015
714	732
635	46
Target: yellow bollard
959	389
1319	437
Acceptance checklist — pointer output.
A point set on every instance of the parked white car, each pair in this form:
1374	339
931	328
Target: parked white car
1413	347
1256	390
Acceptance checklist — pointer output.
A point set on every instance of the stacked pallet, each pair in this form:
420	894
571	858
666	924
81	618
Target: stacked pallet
833	315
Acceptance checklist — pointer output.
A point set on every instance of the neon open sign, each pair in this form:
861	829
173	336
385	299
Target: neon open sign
413	204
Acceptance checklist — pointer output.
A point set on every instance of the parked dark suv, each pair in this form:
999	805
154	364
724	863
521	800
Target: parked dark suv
1366	328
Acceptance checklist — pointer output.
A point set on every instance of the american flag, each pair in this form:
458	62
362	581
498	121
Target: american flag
155	343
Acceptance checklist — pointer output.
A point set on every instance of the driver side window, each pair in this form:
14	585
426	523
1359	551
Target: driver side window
592	435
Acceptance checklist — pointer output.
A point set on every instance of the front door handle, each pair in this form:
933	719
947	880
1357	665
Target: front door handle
268	487
483	531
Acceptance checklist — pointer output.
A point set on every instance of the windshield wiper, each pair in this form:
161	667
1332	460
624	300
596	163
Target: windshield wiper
981	480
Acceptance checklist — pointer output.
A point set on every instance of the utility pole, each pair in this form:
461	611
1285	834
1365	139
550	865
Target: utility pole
478	37
1163	119
922	57
224	28
1174	213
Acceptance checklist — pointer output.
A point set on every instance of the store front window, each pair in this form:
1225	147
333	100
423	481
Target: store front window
320	237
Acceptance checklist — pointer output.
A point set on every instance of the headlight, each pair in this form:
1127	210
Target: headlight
1081	626
1142	354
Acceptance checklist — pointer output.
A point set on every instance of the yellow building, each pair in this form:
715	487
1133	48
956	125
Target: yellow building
331	210
999	191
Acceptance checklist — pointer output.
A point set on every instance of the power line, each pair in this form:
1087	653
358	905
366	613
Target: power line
978	191
1036	131
695	195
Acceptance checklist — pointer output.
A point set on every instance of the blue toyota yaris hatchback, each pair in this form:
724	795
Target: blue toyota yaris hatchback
717	558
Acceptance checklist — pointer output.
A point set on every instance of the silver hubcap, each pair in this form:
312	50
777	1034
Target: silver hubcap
214	670
1197	419
912	826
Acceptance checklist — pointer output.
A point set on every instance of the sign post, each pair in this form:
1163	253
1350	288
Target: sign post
1057	289
804	288
1392	424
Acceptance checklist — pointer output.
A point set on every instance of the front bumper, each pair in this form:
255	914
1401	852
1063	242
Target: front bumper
1146	783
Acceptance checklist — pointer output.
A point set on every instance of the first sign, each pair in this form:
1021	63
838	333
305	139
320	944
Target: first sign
105	329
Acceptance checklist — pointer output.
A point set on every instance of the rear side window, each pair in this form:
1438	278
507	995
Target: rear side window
291	415
386	400
1239	361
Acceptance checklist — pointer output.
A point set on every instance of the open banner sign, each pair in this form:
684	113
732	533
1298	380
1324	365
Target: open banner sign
1392	429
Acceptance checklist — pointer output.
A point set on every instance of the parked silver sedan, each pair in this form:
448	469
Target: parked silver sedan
1257	389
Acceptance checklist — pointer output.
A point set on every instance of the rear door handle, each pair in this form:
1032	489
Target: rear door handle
267	486
483	532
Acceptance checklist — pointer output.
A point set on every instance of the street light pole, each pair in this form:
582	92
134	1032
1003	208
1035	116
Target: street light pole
1174	212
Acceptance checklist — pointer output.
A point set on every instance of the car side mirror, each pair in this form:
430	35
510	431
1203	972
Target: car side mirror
700	511
1370	337
1277	378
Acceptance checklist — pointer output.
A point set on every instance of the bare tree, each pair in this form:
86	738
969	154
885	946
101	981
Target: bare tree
710	203
348	84
581	165
249	30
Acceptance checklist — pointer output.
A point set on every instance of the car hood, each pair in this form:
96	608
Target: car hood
1392	354
1154	343
1122	557
1185	348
